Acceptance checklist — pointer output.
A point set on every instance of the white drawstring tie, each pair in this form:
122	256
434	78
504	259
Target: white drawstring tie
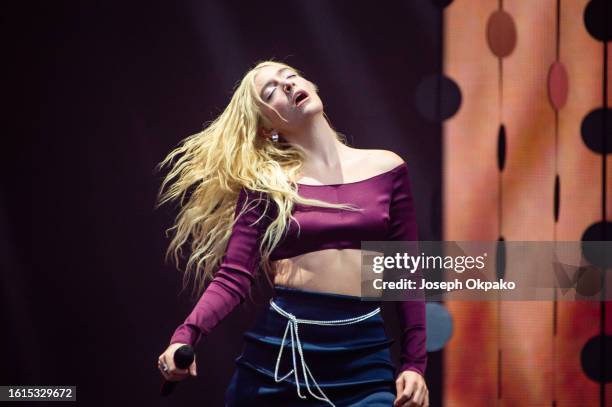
292	328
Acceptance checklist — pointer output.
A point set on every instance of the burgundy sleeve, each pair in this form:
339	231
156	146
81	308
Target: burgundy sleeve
403	227
235	275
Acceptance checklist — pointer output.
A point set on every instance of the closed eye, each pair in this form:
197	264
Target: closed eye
270	94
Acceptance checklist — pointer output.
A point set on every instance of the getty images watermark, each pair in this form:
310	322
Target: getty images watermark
487	270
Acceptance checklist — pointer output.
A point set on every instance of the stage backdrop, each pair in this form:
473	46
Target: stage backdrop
532	76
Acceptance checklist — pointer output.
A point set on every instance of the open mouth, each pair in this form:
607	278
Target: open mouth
300	97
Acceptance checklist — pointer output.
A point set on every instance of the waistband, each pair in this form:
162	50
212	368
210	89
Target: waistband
281	289
310	304
300	367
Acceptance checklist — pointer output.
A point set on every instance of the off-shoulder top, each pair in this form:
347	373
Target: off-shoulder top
387	214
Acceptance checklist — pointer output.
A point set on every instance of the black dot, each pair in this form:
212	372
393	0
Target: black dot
500	258
439	325
588	282
598	19
595	358
596	243
501	147
437	97
596	130
557	198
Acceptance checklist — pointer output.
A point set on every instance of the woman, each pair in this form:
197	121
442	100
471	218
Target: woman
302	201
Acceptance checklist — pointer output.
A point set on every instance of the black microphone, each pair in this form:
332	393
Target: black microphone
183	358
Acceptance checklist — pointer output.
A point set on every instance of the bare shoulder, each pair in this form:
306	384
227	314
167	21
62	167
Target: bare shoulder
384	160
368	162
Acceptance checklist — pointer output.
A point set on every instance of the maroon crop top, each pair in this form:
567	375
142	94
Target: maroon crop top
387	214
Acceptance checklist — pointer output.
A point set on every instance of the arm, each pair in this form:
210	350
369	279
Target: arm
236	273
403	227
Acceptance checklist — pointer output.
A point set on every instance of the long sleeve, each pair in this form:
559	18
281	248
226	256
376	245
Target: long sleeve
403	227
235	275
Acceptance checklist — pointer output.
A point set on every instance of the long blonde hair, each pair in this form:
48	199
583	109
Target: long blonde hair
207	171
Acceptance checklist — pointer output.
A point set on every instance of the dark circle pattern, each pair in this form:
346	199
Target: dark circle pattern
557	198
501	148
501	33
595	126
437	97
593	358
439	325
500	258
596	253
598	19
587	280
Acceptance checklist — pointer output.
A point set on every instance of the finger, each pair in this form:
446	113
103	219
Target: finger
412	403
418	396
171	372
399	388
407	403
402	400
166	375
406	397
167	361
174	371
409	388
160	365
170	364
426	399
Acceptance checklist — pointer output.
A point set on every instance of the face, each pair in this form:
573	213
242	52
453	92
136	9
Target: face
294	97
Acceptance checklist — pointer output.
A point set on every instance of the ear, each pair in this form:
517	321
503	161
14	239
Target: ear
267	132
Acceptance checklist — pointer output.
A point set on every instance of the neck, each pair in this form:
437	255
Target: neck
323	150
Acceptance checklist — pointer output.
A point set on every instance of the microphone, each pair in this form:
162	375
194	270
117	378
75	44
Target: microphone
183	358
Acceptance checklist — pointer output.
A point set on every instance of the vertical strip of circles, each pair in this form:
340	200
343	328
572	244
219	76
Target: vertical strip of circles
596	134
500	265
501	38
501	33
557	86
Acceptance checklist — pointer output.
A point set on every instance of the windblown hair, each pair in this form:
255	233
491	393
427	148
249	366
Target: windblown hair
207	171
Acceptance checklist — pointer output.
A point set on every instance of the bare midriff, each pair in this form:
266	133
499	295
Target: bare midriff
336	271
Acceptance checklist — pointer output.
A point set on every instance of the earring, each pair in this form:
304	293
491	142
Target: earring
275	137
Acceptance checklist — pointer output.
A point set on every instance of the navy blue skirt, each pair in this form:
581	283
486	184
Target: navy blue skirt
345	365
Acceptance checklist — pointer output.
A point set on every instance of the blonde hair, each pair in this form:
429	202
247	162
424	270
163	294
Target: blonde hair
207	171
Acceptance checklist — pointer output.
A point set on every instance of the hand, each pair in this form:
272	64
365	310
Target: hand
174	374
411	390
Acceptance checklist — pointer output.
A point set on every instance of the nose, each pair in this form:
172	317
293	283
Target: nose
287	87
